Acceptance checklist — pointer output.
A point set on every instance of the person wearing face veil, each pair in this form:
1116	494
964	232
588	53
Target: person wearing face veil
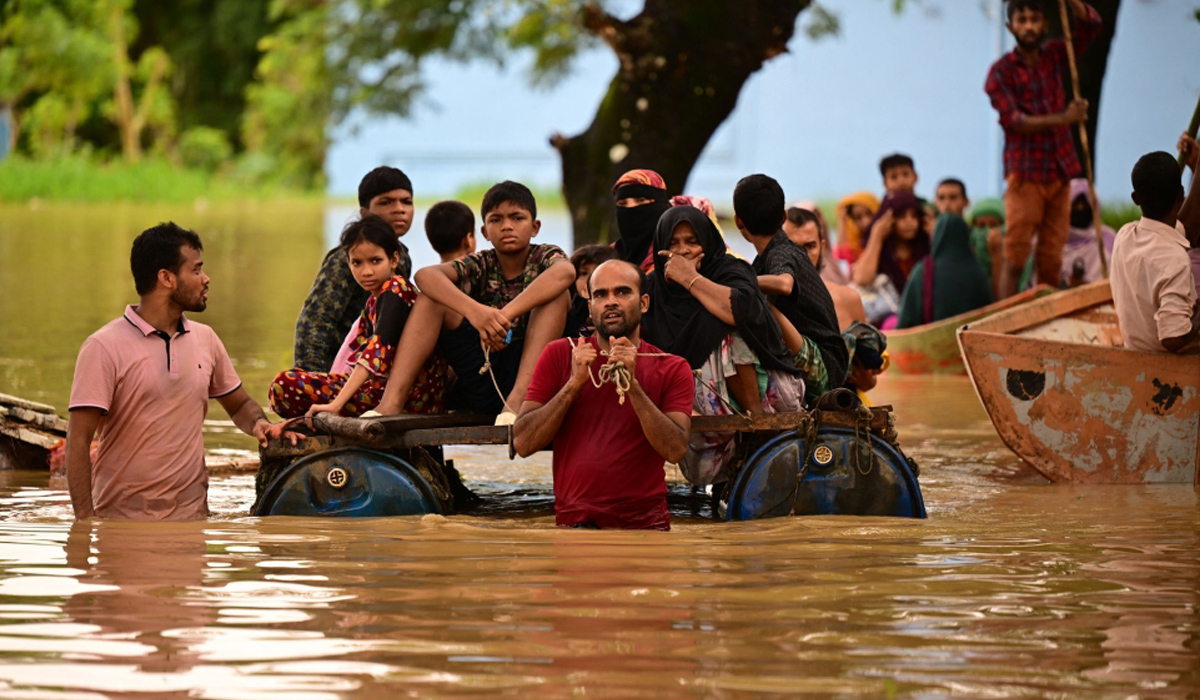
641	198
743	365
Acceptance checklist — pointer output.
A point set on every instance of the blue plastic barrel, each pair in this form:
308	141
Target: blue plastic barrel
840	478
348	482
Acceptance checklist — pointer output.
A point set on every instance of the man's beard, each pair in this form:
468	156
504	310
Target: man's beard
619	329
1031	45
196	305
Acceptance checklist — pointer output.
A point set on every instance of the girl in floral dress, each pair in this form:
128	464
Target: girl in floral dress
372	251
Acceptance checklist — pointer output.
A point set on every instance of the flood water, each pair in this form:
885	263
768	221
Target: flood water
1012	588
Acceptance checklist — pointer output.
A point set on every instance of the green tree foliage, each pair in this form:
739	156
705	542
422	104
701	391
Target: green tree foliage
289	103
54	64
214	50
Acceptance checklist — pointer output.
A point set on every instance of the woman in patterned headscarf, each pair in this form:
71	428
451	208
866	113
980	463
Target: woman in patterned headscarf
641	198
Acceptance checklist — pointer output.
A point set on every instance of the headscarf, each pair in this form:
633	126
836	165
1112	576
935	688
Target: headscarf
678	323
850	239
635	225
705	205
990	205
1081	248
949	281
896	270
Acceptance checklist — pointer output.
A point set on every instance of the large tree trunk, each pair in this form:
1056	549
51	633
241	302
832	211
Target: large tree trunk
682	66
1092	65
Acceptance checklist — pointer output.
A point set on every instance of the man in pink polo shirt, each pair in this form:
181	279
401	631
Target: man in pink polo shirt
144	380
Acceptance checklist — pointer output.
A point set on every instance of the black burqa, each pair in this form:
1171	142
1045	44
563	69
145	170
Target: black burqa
636	225
678	323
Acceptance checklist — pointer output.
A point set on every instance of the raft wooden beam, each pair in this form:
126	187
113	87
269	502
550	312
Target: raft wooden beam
401	432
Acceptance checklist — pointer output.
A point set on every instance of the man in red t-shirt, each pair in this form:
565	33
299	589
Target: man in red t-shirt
608	455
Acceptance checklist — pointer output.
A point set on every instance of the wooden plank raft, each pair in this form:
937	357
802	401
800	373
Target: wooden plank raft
406	431
28	430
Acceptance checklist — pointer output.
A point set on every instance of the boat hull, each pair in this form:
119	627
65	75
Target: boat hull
932	348
1077	407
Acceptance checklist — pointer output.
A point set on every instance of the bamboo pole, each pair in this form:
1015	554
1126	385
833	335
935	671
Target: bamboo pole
1192	128
1083	137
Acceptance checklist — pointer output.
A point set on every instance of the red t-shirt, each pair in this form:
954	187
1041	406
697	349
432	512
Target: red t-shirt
606	473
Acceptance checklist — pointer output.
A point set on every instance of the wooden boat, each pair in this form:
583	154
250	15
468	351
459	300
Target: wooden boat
1070	400
932	348
827	462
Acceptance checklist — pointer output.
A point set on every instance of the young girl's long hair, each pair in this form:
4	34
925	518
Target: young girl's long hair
372	229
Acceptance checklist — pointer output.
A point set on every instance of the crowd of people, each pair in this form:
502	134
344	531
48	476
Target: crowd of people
610	351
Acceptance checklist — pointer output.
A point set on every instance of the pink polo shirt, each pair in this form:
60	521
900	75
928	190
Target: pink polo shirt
154	391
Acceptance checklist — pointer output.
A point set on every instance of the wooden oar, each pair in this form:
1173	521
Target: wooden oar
1192	128
1083	137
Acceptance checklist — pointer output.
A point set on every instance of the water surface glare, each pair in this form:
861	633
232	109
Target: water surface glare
1011	589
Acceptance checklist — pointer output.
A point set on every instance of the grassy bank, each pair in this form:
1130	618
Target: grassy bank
83	179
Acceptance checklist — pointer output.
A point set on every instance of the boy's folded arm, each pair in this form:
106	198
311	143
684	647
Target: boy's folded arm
440	283
555	280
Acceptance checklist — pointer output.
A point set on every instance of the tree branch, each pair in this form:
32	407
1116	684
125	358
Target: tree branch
603	25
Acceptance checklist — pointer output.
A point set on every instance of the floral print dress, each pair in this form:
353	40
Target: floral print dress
295	390
709	453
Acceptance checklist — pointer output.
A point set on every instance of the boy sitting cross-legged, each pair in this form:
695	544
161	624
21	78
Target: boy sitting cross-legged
475	301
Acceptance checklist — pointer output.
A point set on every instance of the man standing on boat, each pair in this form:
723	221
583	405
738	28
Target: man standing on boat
144	381
1026	89
612	437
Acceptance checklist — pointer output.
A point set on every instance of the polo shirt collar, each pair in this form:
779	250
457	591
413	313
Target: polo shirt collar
1169	233
140	323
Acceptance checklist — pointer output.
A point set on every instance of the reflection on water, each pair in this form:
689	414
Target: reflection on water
1023	591
1012	588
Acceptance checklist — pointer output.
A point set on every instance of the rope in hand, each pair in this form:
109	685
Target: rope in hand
610	372
617	374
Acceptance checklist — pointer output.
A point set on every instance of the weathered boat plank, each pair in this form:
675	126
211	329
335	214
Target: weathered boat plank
1075	406
932	348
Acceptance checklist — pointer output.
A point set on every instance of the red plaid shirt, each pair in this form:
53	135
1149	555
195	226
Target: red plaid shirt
1017	89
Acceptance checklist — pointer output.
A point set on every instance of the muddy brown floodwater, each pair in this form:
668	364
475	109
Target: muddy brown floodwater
1012	588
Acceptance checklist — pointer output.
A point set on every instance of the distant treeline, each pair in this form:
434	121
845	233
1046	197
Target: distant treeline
237	87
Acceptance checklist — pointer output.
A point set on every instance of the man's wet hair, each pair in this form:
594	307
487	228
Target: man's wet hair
371	229
641	275
758	202
1015	5
1156	181
385	178
799	216
896	160
957	183
447	224
508	191
159	248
